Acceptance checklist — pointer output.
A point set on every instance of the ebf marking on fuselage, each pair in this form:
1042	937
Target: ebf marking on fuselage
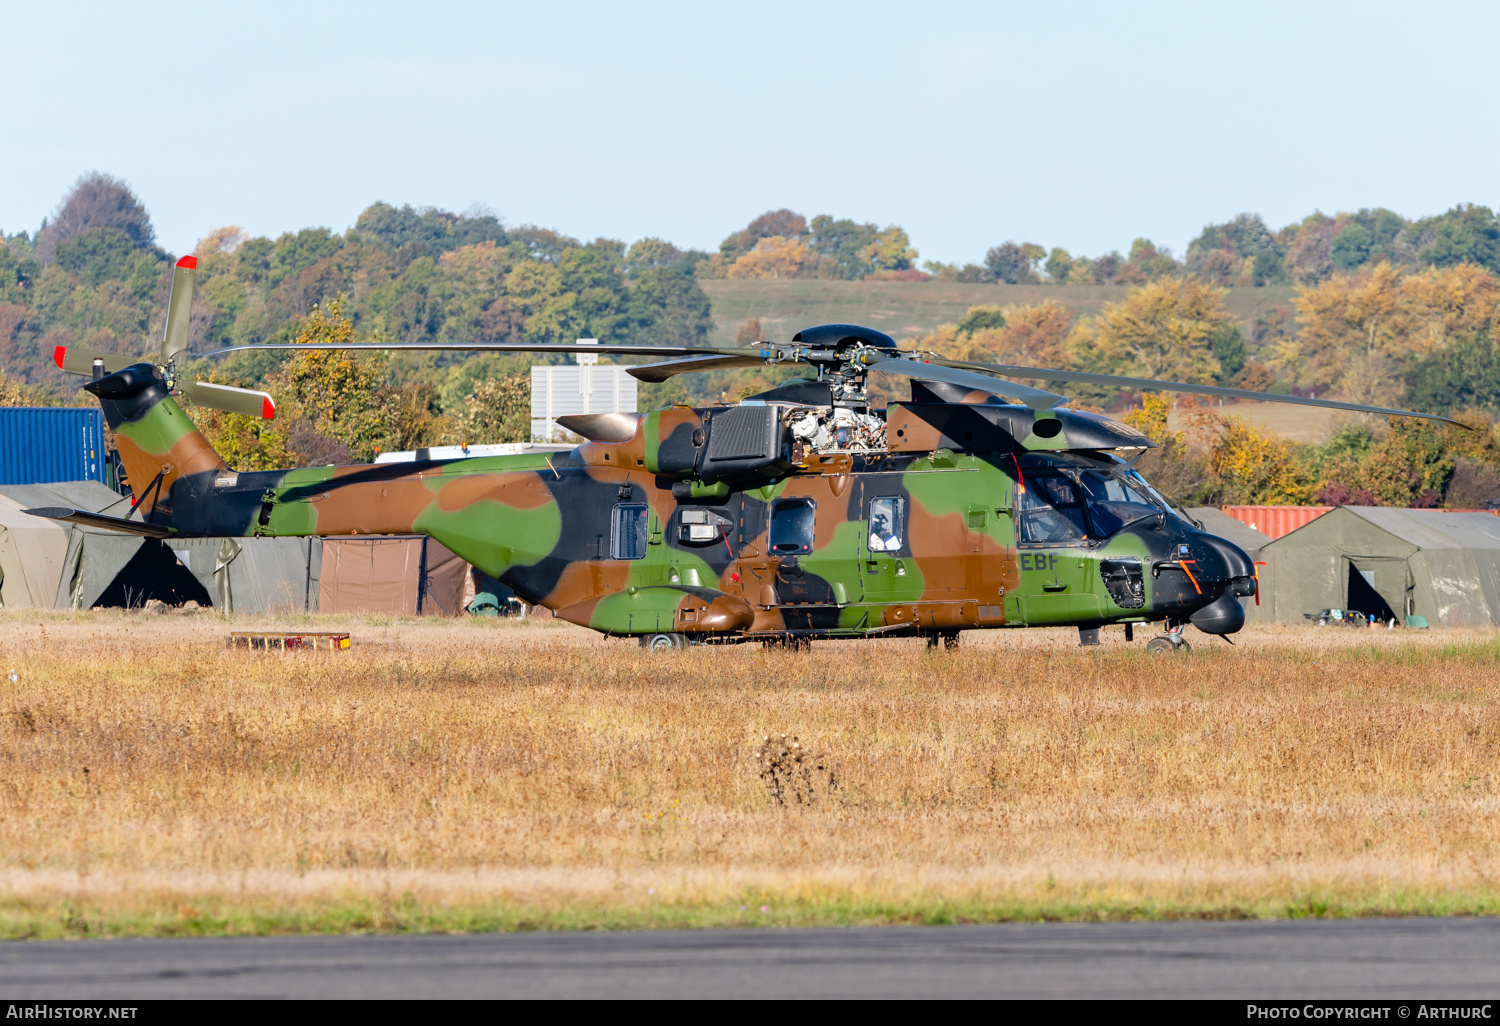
1038	561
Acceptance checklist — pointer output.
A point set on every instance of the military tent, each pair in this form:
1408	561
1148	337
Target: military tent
32	551
1389	564
402	574
81	567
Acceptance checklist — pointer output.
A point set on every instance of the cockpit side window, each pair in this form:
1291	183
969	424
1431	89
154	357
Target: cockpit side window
1051	510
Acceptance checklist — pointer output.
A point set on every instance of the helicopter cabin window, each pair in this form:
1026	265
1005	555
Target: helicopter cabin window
887	523
1051	511
627	539
792	522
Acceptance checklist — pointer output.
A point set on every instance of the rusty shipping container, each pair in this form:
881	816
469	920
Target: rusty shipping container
1276	521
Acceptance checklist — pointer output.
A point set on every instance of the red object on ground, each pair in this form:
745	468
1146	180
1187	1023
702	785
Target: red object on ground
1276	521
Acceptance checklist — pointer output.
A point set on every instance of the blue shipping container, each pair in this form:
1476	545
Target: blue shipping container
48	443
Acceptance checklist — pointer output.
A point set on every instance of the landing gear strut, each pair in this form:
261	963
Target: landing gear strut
1170	643
949	638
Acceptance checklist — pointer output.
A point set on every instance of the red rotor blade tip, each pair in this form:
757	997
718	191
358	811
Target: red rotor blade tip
59	355
267	409
189	261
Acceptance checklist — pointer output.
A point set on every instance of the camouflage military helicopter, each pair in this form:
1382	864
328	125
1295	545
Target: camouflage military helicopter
797	514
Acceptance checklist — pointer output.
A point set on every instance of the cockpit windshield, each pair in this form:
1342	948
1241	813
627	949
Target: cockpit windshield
1115	501
1063	505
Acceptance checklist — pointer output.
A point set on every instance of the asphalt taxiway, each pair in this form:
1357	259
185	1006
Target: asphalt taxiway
1362	958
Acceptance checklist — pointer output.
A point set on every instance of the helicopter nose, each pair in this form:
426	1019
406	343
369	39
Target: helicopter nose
1230	564
1234	571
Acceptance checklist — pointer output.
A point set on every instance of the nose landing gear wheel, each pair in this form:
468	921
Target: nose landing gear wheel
1167	646
664	642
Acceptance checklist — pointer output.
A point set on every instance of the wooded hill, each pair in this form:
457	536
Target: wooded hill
1366	306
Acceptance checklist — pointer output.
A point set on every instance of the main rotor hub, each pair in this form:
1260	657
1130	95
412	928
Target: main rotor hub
836	351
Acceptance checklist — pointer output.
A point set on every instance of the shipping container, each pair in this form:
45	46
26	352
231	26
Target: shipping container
39	445
1276	521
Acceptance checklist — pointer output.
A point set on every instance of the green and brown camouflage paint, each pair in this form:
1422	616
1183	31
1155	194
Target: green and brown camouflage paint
544	524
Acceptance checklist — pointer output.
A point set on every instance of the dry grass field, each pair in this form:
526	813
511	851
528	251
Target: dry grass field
494	775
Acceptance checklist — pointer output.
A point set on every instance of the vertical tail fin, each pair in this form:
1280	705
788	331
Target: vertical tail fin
157	442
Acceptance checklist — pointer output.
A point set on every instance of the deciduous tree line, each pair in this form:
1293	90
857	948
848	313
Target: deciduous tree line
1384	310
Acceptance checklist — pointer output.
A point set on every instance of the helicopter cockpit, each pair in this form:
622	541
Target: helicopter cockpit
1074	499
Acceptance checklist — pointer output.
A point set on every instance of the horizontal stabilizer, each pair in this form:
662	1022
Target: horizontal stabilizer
87	519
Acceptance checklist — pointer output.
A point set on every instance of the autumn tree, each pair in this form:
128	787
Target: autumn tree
1256	467
498	411
345	397
889	250
1357	333
96	201
782	224
748	333
1014	264
1032	335
17	393
1174	328
774	257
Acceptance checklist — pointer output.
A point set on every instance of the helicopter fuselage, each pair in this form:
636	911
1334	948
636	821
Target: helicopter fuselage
720	525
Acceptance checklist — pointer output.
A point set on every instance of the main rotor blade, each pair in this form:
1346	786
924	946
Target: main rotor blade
664	370
179	309
77	360
1035	398
230	399
616	349
1151	384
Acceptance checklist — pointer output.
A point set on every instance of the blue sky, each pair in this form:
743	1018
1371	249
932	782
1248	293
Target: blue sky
1080	125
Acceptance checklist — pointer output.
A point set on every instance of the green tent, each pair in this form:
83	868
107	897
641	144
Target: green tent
82	567
1388	564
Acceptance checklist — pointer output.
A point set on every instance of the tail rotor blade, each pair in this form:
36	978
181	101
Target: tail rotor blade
179	309
246	401
77	360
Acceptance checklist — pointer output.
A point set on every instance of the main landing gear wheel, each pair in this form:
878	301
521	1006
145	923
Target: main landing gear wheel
664	642
1168	646
949	639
